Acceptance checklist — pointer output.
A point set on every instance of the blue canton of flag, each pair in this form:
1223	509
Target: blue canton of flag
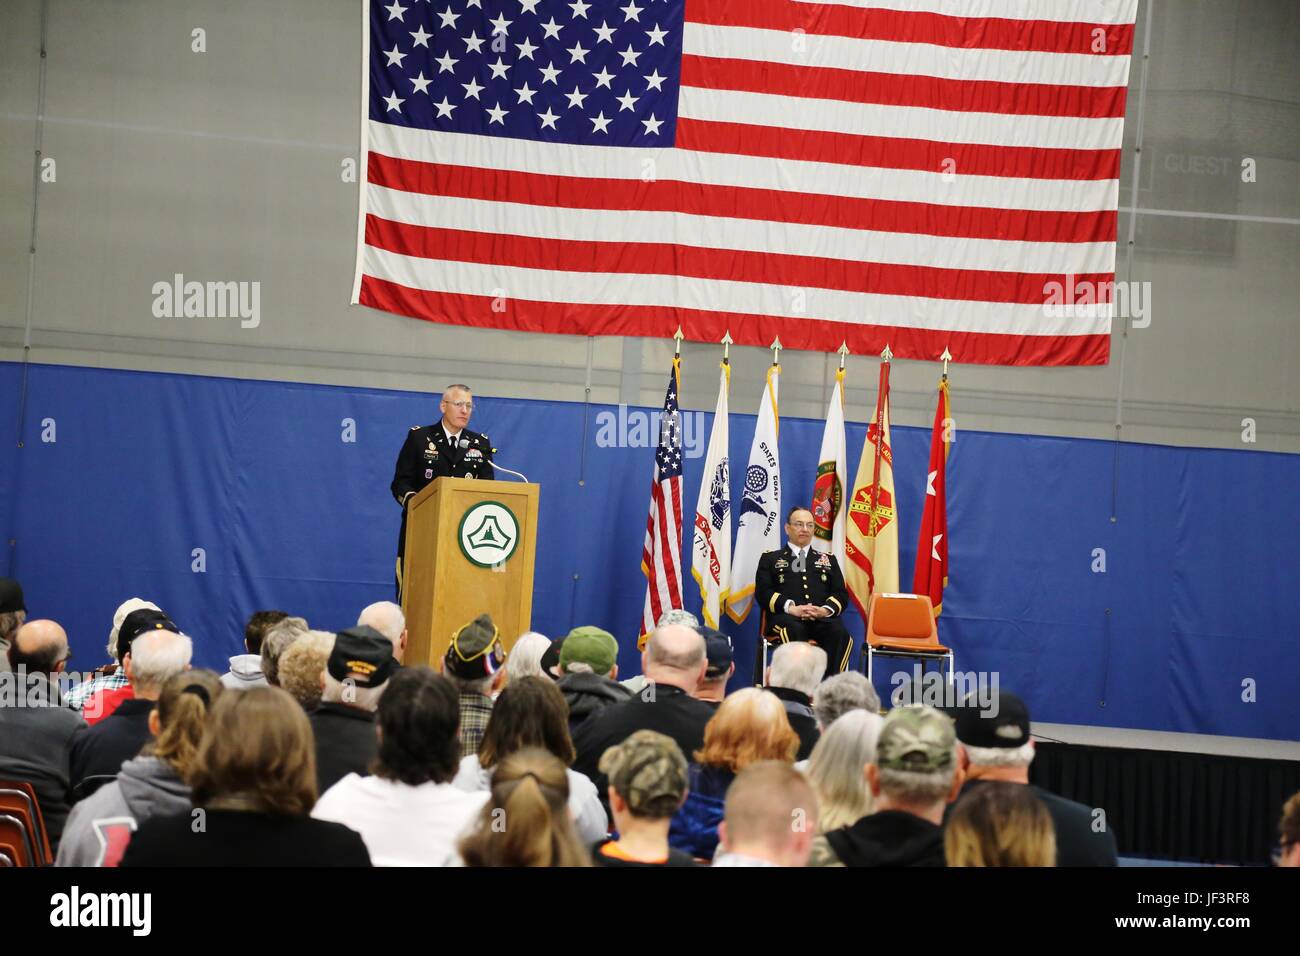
584	73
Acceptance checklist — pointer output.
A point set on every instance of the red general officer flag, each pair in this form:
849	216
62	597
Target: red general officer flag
931	574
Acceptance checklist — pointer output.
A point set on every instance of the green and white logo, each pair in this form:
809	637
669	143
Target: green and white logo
489	533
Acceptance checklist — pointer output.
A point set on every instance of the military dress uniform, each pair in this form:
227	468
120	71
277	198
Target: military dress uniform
426	455
820	582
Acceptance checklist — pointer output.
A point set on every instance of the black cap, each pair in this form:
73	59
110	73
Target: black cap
550	662
363	655
11	596
1004	725
717	648
139	622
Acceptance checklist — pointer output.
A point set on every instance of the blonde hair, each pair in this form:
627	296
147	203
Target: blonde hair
302	664
750	725
837	769
527	821
1000	824
183	707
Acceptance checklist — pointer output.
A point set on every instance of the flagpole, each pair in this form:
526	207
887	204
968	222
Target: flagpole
882	399
776	348
946	357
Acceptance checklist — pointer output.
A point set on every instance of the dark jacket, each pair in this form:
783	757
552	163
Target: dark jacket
675	858
1077	843
888	838
100	751
662	707
345	742
695	826
798	708
588	694
241	838
36	748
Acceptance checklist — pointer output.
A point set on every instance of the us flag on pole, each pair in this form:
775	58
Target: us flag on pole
918	173
661	555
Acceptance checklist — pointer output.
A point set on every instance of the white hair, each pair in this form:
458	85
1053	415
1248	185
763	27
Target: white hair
839	694
916	788
525	658
123	609
386	618
798	666
1021	756
157	657
836	769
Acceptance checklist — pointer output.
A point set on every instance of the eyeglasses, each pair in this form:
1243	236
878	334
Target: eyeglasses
463	406
803	524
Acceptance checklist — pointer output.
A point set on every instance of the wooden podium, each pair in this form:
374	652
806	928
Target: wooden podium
470	546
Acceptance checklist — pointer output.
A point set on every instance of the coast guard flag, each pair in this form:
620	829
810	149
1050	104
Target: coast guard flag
760	519
661	560
871	544
927	173
711	548
931	573
832	475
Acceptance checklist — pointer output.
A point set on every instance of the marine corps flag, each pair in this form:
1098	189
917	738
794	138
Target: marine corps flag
871	544
931	574
832	475
711	550
760	509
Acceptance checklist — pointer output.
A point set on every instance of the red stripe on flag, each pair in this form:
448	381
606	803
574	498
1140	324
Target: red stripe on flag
740	202
659	258
701	325
893	89
667	551
988	33
891	152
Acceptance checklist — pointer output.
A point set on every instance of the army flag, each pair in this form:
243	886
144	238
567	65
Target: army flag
711	551
931	574
871	544
832	475
760	509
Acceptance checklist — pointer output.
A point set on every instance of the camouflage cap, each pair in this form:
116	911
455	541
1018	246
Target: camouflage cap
920	739
649	772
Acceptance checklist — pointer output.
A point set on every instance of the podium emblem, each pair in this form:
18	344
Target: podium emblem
489	533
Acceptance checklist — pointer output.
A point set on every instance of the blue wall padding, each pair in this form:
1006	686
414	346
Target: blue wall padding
1198	604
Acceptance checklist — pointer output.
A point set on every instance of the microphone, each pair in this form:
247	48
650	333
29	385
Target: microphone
508	471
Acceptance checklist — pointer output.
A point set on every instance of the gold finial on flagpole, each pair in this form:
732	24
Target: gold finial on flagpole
886	354
678	336
776	348
947	357
726	346
844	353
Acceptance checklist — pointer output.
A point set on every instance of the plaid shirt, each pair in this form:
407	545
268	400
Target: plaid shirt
475	709
76	697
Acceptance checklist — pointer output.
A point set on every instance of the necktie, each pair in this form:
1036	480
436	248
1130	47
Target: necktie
799	562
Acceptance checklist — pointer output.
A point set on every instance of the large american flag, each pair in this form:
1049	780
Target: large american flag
917	173
661	555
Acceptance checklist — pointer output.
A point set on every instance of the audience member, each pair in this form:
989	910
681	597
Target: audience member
474	664
246	669
301	666
343	726
254	786
671	616
1288	847
550	662
152	784
13	612
36	730
387	618
276	642
998	748
795	672
914	776
674	662
750	726
102	702
408	812
525	658
841	693
98	752
531	713
999	824
837	768
647	785
588	664
771	818
111	676
721	665
526	821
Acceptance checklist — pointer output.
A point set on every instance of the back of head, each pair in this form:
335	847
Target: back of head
157	656
996	735
529	713
767	804
127	607
418	717
257	754
1000	824
841	693
837	768
589	650
386	618
916	753
799	666
648	772
258	624
38	647
184	705
475	656
675	651
750	725
677	615
276	641
301	665
525	658
526	822
358	668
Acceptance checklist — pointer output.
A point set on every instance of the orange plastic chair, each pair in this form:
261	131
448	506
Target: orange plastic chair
18	798
903	625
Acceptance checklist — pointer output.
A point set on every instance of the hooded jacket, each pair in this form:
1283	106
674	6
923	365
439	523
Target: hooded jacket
588	694
886	838
245	672
100	826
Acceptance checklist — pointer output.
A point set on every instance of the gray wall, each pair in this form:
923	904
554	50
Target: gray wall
226	165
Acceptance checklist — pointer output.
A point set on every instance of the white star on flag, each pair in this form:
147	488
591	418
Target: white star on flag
421	38
396	10
394	104
448	18
548	118
929	482
421	84
600	123
395	56
934	548
445	107
497	114
652	125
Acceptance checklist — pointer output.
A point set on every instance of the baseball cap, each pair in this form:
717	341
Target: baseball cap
649	772
363	655
475	651
11	596
550	662
1005	726
137	623
591	646
717	647
919	739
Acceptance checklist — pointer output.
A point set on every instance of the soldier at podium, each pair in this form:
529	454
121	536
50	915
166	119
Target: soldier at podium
446	448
